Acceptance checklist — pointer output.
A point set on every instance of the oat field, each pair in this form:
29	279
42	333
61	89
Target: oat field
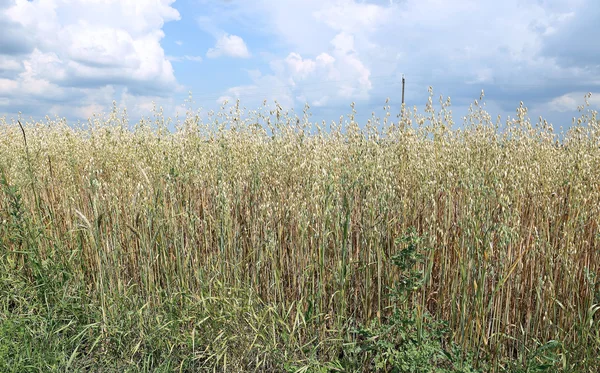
256	240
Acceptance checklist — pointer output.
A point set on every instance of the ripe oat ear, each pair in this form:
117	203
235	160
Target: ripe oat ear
261	234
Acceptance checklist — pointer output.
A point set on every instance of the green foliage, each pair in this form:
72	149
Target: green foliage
545	358
411	339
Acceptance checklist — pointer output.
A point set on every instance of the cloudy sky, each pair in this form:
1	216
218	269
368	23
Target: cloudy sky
72	58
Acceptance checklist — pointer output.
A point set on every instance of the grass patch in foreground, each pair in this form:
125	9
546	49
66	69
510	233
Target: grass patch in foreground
51	325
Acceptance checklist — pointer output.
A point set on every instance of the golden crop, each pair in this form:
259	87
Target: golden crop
307	214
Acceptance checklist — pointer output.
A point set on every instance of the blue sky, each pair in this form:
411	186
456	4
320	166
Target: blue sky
72	58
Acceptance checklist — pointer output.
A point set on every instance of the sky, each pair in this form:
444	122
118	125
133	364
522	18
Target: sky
74	58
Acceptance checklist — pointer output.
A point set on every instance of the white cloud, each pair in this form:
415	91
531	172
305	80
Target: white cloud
98	101
185	58
9	63
229	45
349	15
86	111
33	80
571	101
267	87
300	68
325	52
326	79
7	86
325	59
343	42
458	47
563	103
334	77
80	46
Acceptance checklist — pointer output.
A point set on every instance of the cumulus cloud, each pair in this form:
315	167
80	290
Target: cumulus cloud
515	50
299	67
229	45
69	48
324	52
571	101
334	73
226	44
328	78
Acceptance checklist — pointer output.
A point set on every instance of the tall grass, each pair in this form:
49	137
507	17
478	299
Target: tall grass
302	218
